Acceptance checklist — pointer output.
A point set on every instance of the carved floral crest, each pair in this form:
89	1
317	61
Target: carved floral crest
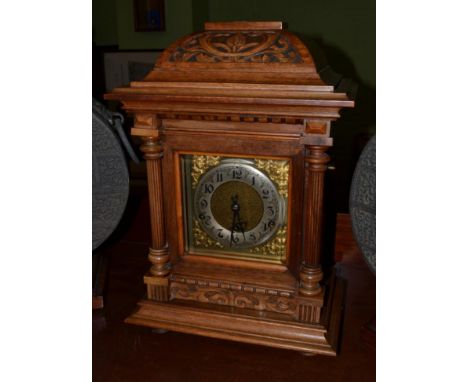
251	46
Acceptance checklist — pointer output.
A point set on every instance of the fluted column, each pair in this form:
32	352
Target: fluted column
311	271
158	252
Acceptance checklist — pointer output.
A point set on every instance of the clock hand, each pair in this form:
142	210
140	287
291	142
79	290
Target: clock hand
232	229
240	226
237	224
235	207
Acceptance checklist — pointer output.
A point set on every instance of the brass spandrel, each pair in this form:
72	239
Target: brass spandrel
275	248
200	165
277	171
201	239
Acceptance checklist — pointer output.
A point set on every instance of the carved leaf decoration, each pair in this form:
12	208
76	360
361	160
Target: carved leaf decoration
262	301
187	56
281	44
183	292
236	42
222	47
237	47
245	301
205	58
217	297
281	304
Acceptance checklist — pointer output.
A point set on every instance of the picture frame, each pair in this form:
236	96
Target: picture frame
149	15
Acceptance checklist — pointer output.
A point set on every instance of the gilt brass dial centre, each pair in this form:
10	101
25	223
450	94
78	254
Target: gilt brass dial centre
250	201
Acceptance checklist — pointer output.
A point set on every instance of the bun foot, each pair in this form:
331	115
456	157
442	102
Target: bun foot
159	331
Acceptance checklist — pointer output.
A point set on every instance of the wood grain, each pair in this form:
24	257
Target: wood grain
158	252
311	273
237	325
133	353
260	96
244	25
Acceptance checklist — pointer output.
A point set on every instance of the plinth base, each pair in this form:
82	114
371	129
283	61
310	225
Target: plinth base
245	325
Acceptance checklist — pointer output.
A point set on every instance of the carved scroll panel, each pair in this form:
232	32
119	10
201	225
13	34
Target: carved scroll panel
234	295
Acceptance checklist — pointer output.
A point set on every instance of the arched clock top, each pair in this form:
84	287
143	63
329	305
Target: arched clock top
236	70
239	46
244	48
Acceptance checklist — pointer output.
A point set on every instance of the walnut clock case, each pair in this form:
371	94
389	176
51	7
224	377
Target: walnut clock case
235	123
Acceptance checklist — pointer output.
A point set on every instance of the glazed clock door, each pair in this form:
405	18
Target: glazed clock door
236	207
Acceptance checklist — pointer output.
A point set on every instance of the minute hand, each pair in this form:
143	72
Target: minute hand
232	227
235	207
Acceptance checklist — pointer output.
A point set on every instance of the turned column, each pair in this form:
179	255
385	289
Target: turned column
311	271
158	252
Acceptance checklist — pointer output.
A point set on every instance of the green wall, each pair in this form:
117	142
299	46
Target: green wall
113	25
104	22
344	30
341	27
178	24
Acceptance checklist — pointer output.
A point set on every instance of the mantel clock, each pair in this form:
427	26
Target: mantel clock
235	123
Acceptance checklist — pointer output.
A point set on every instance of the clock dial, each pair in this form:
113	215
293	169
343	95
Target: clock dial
237	205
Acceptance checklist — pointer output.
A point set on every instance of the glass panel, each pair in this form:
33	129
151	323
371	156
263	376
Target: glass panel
236	207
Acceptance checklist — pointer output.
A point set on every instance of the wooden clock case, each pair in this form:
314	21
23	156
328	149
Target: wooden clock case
242	89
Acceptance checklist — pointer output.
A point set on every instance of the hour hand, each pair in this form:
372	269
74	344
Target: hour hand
235	206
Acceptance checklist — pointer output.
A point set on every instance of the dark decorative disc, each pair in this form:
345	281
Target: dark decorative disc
110	176
362	203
